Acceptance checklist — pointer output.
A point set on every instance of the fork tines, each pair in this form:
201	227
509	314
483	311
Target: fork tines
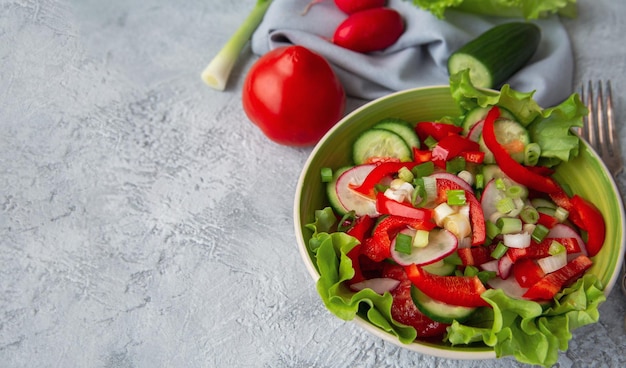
599	125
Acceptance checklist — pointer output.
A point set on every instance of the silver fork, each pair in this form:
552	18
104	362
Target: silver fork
599	130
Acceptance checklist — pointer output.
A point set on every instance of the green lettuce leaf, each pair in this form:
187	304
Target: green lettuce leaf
528	9
525	330
550	128
335	267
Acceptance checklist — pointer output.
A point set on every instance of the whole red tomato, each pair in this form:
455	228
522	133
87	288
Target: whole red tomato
293	96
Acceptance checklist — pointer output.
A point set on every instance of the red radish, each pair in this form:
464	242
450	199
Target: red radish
353	6
454	178
379	285
504	266
369	30
350	199
441	243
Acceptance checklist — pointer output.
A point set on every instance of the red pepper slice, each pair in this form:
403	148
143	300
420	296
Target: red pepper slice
455	290
377	247
451	146
381	171
547	220
360	231
527	272
421	156
475	157
477	217
475	256
387	206
436	130
509	166
542	249
552	283
592	221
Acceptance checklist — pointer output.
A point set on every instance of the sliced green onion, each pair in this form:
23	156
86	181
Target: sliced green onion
556	248
541	202
430	142
347	221
441	212
458	224
516	191
381	188
405	174
529	215
456	197
485	276
420	240
480	181
404	243
470	271
492	229
532	151
326	174
539	233
505	205
499	250
509	225
466	176
418	197
500	184
561	214
455	165
430	187
424	169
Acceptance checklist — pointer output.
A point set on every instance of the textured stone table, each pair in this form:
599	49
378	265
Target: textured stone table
144	222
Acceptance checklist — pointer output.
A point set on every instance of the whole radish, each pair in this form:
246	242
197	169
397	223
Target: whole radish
369	30
353	6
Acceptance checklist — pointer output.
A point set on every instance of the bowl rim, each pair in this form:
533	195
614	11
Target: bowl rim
457	352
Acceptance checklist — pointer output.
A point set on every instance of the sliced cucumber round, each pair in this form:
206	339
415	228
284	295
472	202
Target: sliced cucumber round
496	54
439	311
380	143
402	128
512	136
478	114
441	268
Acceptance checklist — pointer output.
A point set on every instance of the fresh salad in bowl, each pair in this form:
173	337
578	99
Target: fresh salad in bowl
455	230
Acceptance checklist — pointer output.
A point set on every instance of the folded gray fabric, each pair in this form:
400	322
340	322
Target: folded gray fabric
419	57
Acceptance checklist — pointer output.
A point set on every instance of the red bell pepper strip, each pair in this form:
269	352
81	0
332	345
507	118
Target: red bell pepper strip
387	206
381	171
592	221
452	146
436	130
475	256
477	217
455	290
377	247
509	166
527	272
552	283
475	157
360	231
421	156
542	249
547	220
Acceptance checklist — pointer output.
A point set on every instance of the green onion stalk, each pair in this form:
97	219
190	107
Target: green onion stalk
217	72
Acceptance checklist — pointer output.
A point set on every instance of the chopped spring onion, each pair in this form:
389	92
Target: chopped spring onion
466	176
509	225
441	212
453	259
424	169
420	240
217	72
518	240
480	181
430	142
556	248
561	214
455	165
327	174
405	174
500	184
470	271
539	233
347	221
516	191
430	187
418	198
492	229
553	263
505	205
499	250
532	151
542	203
456	197
404	243
529	215
458	224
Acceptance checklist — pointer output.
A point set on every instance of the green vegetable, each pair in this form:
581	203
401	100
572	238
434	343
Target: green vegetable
496	54
217	72
528	9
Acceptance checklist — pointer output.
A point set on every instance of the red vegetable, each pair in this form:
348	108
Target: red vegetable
438	131
387	206
377	248
360	230
592	221
455	290
403	309
382	170
475	256
293	96
353	6
509	166
552	283
477	217
542	249
369	30
451	146
527	272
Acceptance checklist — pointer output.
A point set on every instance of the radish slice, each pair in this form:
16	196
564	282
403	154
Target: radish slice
352	200
564	231
509	286
504	267
453	178
490	198
490	266
476	131
379	285
441	243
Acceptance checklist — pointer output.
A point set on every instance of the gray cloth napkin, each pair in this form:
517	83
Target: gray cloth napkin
419	57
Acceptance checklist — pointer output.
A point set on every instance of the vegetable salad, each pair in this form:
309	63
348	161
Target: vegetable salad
454	230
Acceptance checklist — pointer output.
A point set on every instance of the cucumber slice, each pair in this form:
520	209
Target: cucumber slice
331	191
512	136
478	114
439	311
377	143
441	268
402	128
496	54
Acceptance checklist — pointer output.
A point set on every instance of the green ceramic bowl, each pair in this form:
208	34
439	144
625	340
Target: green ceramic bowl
586	175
